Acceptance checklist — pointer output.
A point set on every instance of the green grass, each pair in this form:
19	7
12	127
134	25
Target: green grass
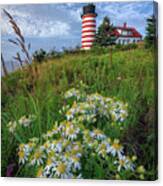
131	79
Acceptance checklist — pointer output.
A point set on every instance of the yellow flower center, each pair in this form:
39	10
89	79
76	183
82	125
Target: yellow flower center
54	128
97	132
74	105
67	154
51	154
116	146
75	159
46	145
49	161
73	152
68	124
54	142
103	147
21	154
37	155
71	131
61	168
68	113
49	132
21	146
66	143
121	162
31	144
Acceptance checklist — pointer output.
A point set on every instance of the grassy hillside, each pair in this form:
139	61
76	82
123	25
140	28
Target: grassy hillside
40	92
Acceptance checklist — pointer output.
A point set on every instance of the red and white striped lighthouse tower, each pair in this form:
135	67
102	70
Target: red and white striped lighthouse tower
88	26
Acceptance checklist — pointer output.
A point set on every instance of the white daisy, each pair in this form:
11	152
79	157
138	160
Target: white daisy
25	121
56	145
72	132
123	115
49	134
62	170
75	162
70	114
103	149
124	162
26	147
98	134
30	146
23	156
77	150
12	126
55	128
50	164
72	93
38	158
116	148
46	146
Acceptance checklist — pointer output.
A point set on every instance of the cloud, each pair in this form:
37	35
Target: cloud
34	23
134	13
76	14
49	28
64	20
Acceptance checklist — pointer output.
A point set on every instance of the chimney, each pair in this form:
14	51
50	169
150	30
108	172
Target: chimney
124	24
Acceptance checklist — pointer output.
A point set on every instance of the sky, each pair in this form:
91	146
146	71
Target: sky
51	26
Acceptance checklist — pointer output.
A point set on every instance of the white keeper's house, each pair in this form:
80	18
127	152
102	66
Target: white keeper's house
125	35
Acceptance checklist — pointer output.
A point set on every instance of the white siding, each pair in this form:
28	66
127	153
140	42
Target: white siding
127	40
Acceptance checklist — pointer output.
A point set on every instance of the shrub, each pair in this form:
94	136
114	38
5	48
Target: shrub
118	46
71	50
39	55
54	54
126	47
151	32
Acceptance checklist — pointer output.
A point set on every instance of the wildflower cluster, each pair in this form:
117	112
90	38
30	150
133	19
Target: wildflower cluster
57	157
59	152
90	107
24	121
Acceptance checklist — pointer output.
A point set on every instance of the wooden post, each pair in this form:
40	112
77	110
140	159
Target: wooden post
4	66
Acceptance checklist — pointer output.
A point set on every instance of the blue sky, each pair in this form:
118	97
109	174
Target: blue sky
59	25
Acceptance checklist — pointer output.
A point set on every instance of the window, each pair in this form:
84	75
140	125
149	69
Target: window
129	33
124	32
123	42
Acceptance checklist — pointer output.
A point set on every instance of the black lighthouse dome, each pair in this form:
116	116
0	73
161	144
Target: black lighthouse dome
89	9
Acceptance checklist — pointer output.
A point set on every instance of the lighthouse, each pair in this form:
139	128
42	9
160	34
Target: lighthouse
88	26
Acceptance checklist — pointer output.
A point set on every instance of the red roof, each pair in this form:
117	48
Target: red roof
132	32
